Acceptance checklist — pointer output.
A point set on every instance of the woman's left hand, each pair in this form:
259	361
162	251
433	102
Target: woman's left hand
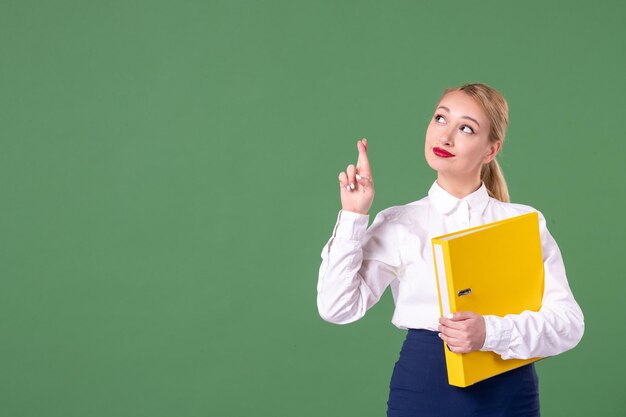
464	332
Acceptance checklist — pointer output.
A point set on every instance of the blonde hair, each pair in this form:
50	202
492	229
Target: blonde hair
497	110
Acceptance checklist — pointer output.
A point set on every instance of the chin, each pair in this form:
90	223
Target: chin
438	164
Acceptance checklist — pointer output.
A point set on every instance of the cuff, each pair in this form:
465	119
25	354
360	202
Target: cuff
351	225
498	334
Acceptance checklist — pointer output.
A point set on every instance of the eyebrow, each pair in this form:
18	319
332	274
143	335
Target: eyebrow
462	117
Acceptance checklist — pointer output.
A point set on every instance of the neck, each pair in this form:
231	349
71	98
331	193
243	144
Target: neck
458	187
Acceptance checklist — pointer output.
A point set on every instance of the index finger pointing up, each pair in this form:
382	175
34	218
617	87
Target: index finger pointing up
363	164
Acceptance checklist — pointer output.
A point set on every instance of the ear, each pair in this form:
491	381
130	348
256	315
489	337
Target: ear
492	151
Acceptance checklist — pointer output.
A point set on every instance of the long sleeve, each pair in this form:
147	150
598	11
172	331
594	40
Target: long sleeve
559	324
357	266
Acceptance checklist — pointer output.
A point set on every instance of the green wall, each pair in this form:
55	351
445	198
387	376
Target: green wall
168	178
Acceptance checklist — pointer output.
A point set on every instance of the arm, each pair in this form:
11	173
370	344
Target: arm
357	266
559	324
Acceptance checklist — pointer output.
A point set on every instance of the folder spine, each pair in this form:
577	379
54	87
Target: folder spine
447	305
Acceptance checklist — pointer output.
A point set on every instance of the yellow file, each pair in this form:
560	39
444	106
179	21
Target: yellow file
495	269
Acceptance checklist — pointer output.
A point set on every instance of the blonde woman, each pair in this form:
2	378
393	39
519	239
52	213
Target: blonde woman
358	263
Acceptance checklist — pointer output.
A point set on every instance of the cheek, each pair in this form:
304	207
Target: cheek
429	134
476	153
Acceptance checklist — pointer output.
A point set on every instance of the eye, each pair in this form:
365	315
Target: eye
439	118
467	129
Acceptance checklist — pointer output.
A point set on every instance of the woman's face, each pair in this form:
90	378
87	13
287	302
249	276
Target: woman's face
457	139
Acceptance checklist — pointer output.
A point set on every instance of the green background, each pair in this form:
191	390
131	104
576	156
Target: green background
168	178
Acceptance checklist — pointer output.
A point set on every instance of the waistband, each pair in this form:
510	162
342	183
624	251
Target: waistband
423	335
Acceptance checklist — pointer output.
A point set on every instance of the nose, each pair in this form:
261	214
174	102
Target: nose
447	137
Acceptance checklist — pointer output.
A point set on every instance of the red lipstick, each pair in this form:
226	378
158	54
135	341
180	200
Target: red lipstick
442	153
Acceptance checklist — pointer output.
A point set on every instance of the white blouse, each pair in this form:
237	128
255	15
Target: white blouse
358	263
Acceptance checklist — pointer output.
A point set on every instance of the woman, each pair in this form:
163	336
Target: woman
358	263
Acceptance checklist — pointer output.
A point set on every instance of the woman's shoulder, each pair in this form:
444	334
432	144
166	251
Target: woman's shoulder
513	209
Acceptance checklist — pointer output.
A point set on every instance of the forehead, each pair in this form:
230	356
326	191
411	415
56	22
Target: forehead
460	104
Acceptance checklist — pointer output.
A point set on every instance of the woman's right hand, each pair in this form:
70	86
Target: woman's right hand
356	184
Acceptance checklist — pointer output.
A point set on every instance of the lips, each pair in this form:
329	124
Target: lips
442	153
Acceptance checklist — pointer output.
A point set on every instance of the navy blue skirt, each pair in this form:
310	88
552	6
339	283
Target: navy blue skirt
419	386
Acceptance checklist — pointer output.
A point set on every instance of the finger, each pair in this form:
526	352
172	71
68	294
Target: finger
452	323
364	182
451	343
463	315
453	333
456	345
343	181
363	164
351	171
459	316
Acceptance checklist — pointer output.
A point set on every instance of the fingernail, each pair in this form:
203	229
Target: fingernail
352	185
358	177
449	316
348	187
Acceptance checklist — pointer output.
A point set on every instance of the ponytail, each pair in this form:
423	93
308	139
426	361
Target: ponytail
492	176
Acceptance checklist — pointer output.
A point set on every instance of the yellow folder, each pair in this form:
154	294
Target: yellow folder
495	269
